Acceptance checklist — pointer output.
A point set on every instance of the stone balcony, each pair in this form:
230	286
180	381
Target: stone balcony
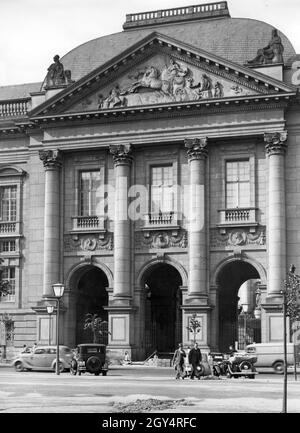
238	217
9	228
88	224
160	221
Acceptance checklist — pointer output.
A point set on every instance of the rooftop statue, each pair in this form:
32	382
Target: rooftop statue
56	75
272	53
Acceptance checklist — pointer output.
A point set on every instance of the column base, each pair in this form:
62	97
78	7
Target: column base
121	332
272	320
201	336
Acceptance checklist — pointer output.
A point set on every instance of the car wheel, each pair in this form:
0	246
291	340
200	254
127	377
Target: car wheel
104	373
278	367
245	365
19	366
251	376
93	365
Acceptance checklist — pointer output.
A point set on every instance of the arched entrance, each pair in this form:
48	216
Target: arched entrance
163	316
91	297
231	319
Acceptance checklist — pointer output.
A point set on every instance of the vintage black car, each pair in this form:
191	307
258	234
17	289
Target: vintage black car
89	358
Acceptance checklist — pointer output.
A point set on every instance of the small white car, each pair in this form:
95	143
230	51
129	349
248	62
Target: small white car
43	358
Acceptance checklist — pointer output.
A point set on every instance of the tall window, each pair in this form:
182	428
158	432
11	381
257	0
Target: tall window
9	274
8	203
89	192
161	189
237	184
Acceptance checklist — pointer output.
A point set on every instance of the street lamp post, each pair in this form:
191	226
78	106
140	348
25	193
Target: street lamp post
58	289
50	310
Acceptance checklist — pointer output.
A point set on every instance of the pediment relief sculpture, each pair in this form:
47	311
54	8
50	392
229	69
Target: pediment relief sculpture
164	80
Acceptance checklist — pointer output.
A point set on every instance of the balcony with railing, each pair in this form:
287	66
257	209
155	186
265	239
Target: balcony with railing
160	221
209	10
90	223
14	108
9	228
237	217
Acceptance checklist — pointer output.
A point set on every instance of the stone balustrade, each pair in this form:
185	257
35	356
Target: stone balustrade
161	218
87	223
180	13
14	108
238	216
8	228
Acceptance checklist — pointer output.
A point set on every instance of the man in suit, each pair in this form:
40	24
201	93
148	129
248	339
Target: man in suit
195	358
178	362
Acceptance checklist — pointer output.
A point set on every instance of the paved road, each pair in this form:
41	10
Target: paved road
45	392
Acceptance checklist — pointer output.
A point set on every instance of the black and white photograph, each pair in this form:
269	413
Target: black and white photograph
149	210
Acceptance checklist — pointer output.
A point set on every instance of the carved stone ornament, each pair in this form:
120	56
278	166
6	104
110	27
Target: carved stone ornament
160	239
51	158
88	243
272	53
122	153
196	148
275	142
165	80
57	75
236	238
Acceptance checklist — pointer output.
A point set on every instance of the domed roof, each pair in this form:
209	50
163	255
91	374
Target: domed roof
234	39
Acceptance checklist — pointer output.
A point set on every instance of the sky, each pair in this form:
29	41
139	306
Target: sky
33	31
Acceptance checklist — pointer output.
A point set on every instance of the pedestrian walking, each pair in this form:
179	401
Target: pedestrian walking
178	362
195	357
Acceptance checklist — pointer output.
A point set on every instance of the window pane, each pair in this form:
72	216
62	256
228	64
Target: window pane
161	191
90	182
237	184
8	206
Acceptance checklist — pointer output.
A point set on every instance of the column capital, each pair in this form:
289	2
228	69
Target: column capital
51	158
122	153
275	142
196	148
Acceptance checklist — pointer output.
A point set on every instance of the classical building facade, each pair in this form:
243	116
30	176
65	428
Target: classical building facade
155	173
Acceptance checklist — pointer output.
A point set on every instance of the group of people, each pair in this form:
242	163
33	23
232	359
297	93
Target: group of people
180	358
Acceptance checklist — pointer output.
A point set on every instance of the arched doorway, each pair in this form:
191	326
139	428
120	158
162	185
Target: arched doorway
91	298
230	279
163	315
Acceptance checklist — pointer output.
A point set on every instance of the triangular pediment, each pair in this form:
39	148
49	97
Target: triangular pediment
160	71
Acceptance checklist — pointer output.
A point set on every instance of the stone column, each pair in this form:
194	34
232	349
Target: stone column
275	149
52	163
122	236
197	287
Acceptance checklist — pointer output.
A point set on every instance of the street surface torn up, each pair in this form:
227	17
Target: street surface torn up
148	405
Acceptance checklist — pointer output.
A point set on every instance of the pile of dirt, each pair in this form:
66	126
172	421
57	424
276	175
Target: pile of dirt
149	405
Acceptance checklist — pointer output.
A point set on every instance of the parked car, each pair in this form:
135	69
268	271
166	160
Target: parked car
271	355
89	358
43	358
